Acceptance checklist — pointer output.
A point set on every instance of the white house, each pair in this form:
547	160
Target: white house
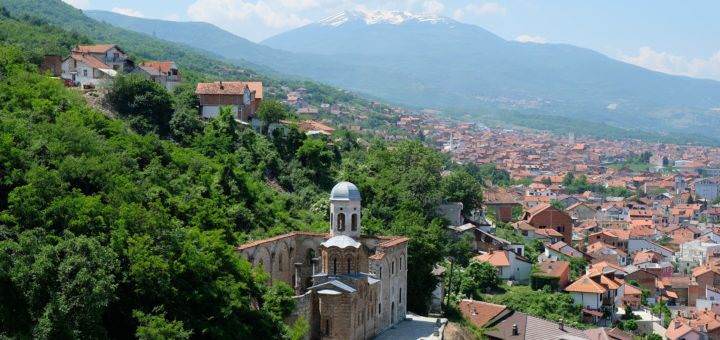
91	65
165	73
708	188
638	244
561	251
695	253
510	266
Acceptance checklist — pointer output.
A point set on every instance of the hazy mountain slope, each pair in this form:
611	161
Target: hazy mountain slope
466	67
197	34
441	63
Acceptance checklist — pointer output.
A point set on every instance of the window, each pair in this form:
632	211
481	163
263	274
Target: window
280	266
85	73
392	268
334	266
349	263
327	327
379	307
380	271
341	222
353	222
400	295
310	255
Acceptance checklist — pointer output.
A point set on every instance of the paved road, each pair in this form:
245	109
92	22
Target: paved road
414	327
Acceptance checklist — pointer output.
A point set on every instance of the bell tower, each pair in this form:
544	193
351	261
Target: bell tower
345	205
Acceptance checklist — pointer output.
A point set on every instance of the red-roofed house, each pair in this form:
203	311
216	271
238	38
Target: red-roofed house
165	73
544	216
91	65
242	97
510	266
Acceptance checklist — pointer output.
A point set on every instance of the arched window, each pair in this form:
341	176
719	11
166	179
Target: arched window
280	266
341	222
334	266
392	268
353	222
349	264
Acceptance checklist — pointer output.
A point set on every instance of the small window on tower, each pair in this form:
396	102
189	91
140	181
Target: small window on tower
341	222
353	222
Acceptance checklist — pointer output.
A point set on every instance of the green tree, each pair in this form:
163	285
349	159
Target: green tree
479	278
157	327
460	186
271	111
185	125
145	103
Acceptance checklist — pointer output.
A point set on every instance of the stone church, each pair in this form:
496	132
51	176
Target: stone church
347	286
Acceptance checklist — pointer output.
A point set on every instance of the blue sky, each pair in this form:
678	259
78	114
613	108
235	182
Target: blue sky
679	37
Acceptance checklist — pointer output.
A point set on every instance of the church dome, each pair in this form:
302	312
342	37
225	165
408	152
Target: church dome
345	191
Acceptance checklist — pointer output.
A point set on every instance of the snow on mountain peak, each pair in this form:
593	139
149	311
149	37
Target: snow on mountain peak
379	17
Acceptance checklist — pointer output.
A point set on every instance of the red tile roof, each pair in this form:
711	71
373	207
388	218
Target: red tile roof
585	285
100	48
498	258
164	66
230	88
480	313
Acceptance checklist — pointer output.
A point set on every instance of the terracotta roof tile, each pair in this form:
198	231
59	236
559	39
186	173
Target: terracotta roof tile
230	88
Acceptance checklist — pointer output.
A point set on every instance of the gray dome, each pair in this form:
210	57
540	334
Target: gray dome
345	191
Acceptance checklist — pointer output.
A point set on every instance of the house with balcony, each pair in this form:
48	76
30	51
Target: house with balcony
92	65
599	293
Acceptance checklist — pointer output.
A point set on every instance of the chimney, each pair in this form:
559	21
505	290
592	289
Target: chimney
221	85
561	326
515	330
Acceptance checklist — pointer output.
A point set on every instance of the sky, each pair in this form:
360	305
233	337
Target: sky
677	37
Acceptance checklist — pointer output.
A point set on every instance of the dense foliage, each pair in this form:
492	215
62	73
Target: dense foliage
101	228
109	232
541	303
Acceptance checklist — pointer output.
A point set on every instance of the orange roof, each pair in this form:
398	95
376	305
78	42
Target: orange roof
632	290
478	312
230	88
553	268
585	285
164	66
608	282
100	48
498	258
89	60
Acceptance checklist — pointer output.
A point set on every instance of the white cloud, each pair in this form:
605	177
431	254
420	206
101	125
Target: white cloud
525	38
253	20
485	8
127	11
674	64
81	4
433	7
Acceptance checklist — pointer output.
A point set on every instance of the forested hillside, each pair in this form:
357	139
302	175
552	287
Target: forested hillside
122	227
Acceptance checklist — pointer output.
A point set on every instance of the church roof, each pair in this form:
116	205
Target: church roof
341	241
345	191
336	284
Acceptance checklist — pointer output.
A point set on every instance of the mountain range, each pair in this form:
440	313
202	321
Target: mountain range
440	63
436	62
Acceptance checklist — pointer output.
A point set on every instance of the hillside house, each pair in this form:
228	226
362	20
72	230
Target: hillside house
243	98
165	73
510	266
92	65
